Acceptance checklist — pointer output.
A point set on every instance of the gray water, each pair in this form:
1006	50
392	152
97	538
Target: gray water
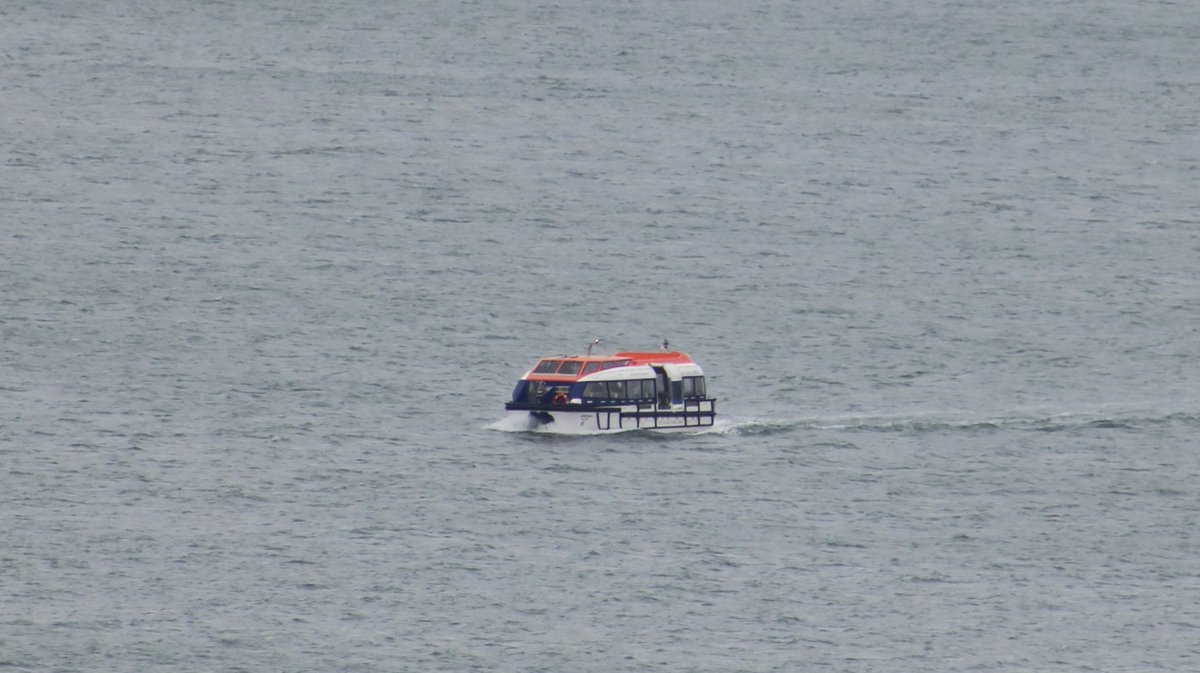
268	272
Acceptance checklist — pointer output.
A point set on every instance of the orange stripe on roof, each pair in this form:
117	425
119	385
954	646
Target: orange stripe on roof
656	357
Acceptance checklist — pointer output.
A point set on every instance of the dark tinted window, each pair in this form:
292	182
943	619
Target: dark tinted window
693	386
547	366
570	368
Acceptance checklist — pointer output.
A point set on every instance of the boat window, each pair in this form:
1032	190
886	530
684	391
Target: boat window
615	363
641	390
569	367
595	390
547	366
591	367
693	386
616	390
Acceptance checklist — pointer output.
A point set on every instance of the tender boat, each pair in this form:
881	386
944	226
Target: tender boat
586	394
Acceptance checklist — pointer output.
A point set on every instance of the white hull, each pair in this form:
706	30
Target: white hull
576	421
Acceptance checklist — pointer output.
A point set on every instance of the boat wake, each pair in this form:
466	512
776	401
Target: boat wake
960	423
513	424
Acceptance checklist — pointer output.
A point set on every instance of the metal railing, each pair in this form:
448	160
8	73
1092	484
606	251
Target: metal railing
695	413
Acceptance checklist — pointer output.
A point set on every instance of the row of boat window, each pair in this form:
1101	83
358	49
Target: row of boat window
640	389
619	390
572	367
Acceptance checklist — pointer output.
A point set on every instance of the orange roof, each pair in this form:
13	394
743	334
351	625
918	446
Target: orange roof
656	357
575	367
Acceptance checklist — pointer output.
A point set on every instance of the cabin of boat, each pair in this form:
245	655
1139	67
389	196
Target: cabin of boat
626	390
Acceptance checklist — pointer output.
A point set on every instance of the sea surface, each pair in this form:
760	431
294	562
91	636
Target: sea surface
269	271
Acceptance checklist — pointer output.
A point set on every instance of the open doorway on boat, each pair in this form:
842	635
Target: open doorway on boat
661	389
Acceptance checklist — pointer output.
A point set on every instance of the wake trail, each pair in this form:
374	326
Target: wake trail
1029	421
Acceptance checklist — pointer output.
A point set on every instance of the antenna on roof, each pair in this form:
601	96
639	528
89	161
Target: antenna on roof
594	342
665	345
